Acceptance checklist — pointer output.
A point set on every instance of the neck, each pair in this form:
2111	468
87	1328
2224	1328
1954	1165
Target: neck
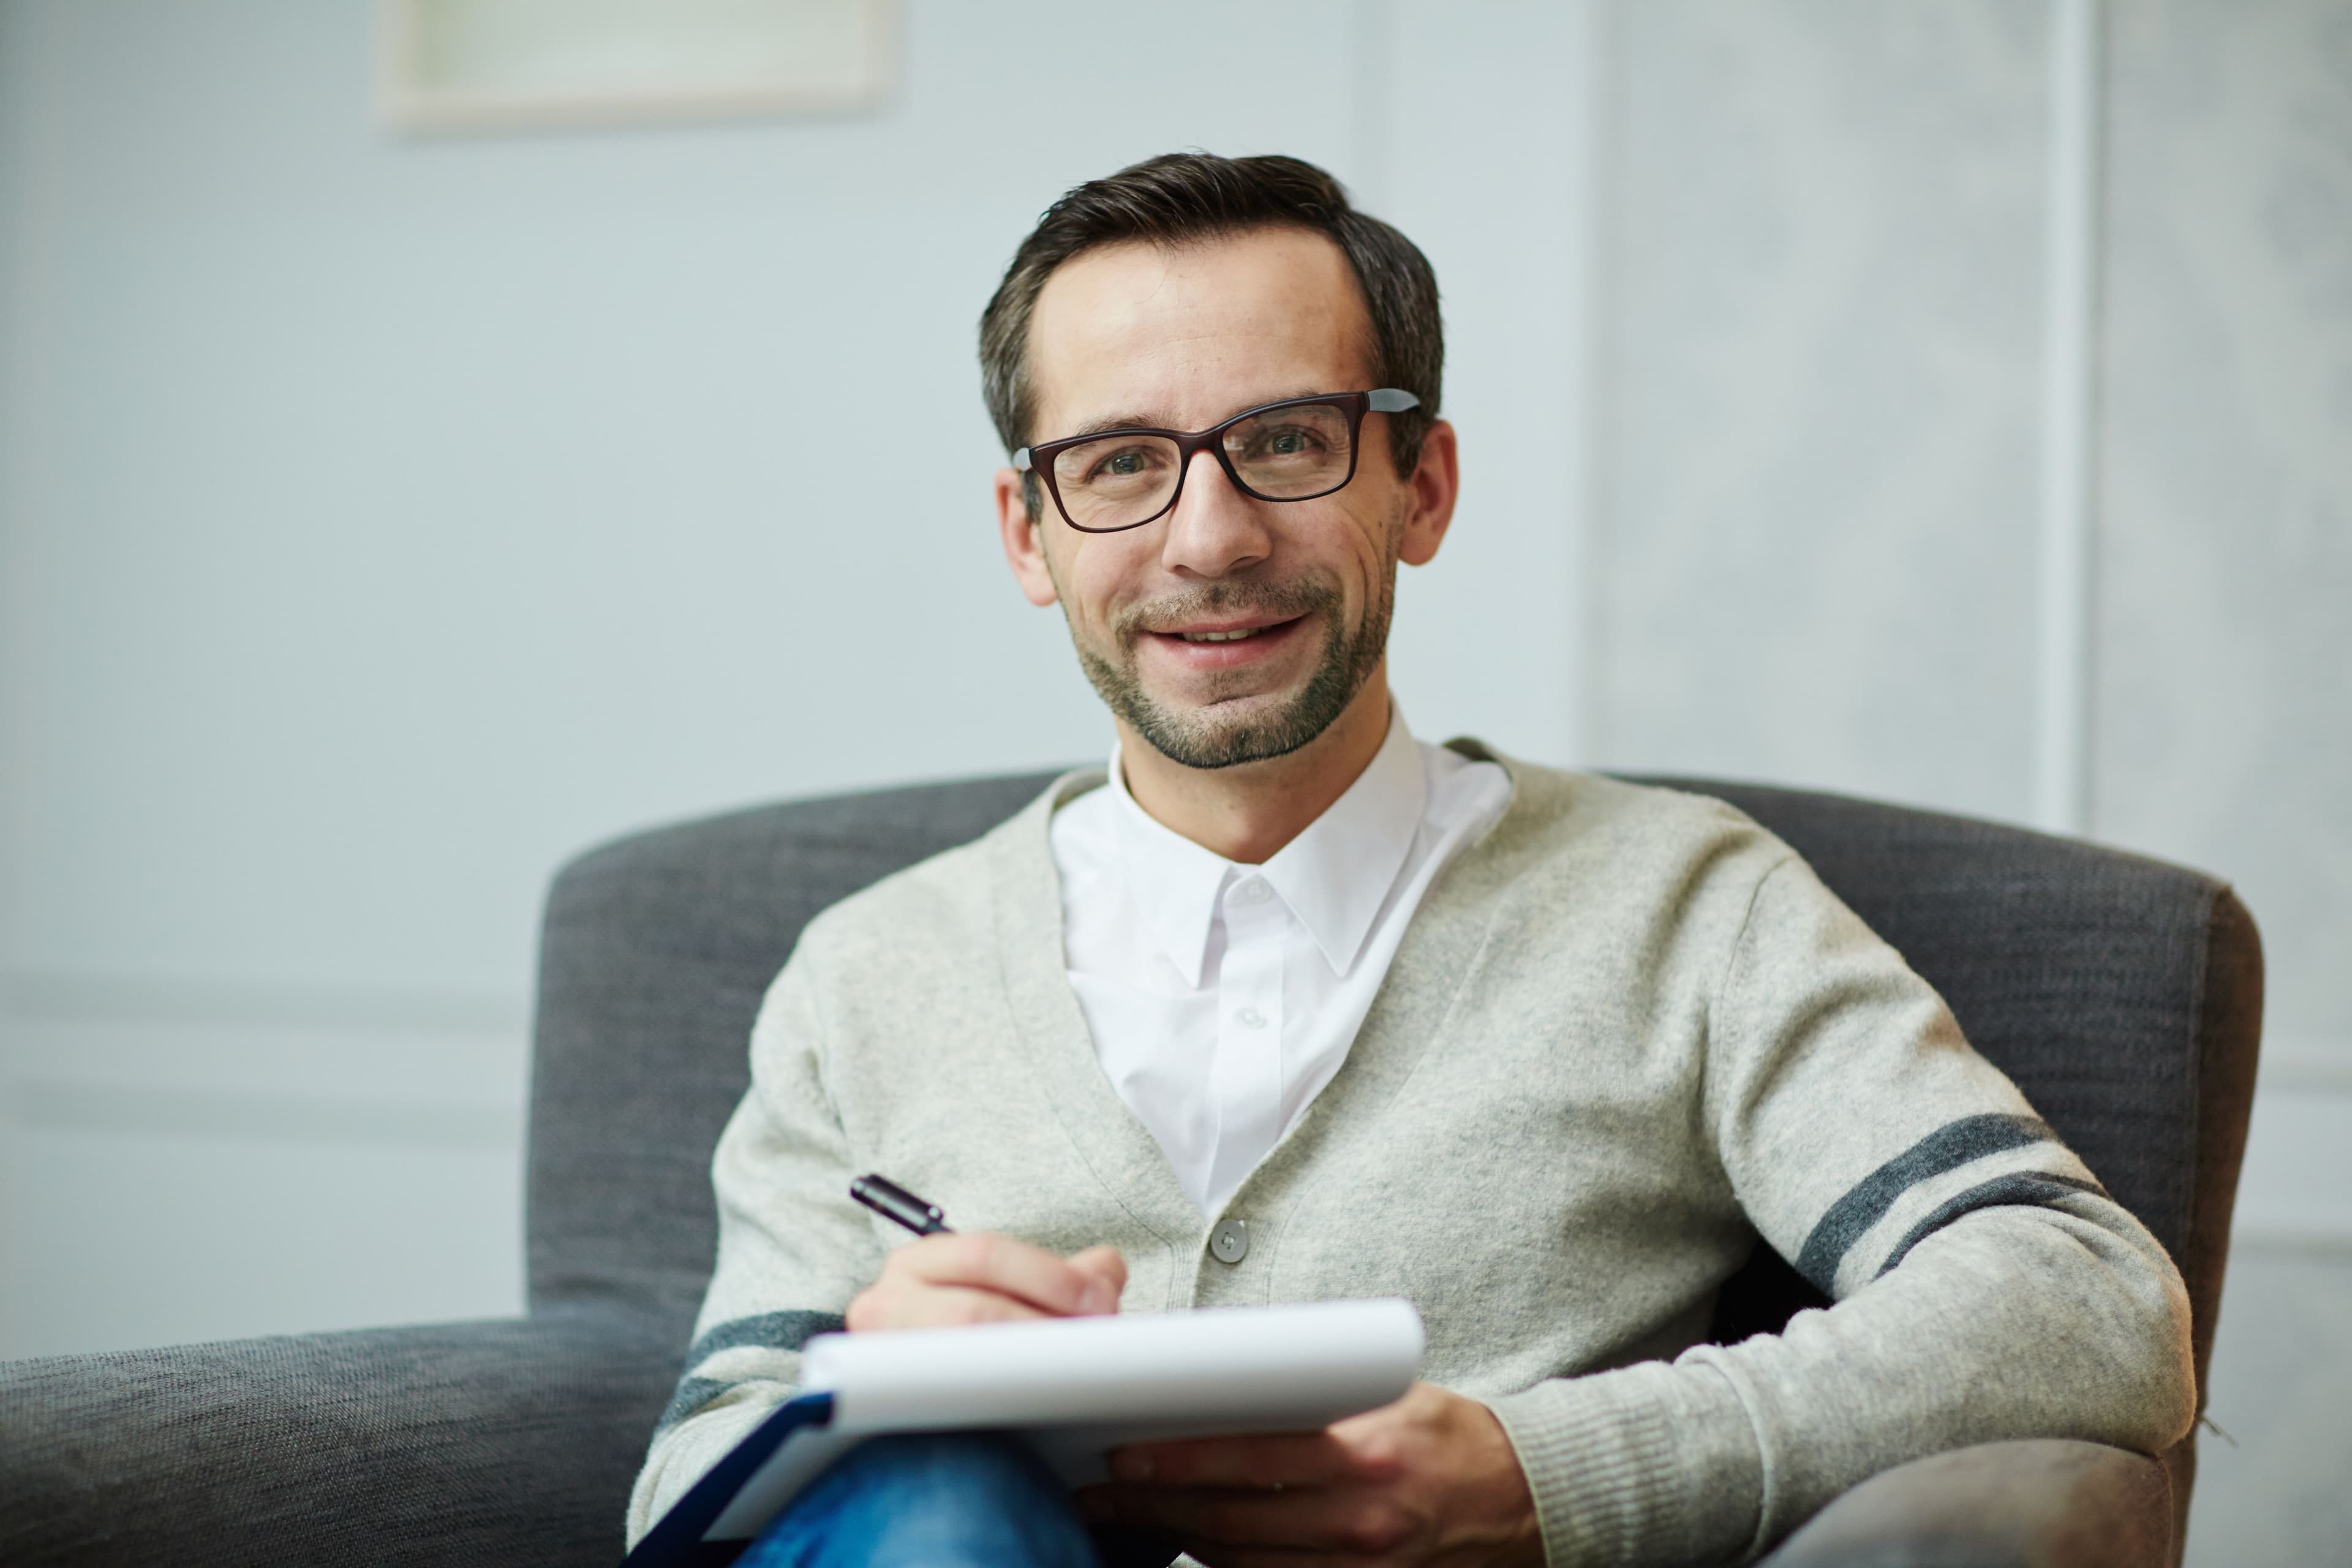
1246	814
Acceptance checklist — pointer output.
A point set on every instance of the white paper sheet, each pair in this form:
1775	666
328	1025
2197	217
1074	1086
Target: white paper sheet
1080	1386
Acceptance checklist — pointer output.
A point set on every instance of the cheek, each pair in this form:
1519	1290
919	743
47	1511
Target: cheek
1092	580
1365	549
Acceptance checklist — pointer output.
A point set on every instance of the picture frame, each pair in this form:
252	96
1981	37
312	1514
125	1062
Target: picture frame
472	65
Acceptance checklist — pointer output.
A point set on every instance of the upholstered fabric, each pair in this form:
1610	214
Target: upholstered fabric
2124	996
460	1442
2039	1504
656	953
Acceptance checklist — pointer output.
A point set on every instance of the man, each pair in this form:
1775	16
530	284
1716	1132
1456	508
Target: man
1543	1052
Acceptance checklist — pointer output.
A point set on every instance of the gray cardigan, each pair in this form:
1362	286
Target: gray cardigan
1627	1032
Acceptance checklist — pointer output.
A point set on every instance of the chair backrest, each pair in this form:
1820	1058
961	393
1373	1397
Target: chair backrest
2123	995
654	955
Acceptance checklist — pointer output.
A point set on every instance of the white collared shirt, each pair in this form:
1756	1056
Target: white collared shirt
1222	997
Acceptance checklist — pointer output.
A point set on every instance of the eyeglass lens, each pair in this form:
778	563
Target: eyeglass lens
1281	453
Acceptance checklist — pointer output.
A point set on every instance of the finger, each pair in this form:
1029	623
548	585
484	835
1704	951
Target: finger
1220	1554
1215	1554
1286	1460
1106	1265
936	1307
980	1261
1421	1403
1315	1519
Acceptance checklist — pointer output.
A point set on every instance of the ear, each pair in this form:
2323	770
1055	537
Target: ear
1433	488
1025	549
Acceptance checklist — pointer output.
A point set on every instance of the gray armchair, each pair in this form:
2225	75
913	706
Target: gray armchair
2123	995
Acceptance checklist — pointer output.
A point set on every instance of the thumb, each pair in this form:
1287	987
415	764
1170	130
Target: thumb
1106	1265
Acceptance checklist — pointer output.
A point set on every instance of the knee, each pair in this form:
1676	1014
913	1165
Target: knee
951	1468
961	1498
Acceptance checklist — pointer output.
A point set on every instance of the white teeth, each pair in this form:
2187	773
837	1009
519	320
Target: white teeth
1220	636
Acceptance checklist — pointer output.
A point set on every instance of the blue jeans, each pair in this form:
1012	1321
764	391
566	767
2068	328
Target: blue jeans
950	1499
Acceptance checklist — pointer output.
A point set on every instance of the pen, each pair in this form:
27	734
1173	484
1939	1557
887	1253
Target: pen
896	1204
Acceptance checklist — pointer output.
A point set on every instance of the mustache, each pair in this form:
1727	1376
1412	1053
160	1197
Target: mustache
1283	600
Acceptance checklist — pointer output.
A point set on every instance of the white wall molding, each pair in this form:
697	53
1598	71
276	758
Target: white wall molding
51	996
2067	590
1371	105
1598	87
118	1111
295	1157
2294	1192
2294	1064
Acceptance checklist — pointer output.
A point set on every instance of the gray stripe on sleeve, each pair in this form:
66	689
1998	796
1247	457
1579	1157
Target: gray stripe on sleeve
2040	1188
1948	1148
693	1394
768	1330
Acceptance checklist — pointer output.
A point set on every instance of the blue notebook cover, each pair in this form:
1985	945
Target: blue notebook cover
676	1542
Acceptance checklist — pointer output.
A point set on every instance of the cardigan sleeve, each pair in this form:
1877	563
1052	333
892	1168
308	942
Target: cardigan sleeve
793	1248
1985	1286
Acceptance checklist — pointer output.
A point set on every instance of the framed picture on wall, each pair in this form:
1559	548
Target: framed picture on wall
487	65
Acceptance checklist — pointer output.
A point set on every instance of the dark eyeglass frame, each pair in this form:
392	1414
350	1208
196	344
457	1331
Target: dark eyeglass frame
1039	459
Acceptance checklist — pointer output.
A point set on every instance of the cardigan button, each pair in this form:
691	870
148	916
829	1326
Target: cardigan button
1229	1243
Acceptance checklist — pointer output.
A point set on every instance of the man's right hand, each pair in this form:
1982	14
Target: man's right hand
971	1277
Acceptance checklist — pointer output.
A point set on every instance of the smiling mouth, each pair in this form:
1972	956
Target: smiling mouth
1227	634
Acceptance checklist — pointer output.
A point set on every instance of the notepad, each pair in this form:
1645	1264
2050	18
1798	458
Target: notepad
1074	1388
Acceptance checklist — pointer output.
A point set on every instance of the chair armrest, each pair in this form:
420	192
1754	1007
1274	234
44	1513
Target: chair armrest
2043	1503
507	1442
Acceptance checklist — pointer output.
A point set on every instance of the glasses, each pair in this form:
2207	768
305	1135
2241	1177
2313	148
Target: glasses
1294	450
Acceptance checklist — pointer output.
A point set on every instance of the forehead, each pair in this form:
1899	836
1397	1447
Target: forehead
1185	335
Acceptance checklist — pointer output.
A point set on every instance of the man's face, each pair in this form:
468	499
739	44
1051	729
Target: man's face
1233	629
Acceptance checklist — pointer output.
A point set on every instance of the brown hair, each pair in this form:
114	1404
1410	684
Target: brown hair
1178	199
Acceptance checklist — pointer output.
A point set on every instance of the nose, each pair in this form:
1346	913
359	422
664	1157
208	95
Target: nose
1215	530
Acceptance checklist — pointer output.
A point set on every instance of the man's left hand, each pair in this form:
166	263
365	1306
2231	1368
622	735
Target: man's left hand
1429	1480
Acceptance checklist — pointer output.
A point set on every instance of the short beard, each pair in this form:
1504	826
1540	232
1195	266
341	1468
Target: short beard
1198	738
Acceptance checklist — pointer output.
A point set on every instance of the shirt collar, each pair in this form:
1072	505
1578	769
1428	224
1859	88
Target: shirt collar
1335	877
1174	882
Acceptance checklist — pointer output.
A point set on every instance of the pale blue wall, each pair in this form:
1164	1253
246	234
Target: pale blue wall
385	520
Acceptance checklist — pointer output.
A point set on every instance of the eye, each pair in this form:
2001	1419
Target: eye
1288	441
1113	465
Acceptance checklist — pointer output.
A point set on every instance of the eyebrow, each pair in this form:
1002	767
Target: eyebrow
1116	422
1145	422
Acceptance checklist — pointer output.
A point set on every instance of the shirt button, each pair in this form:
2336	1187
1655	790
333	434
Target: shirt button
1250	1018
1229	1243
1256	892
